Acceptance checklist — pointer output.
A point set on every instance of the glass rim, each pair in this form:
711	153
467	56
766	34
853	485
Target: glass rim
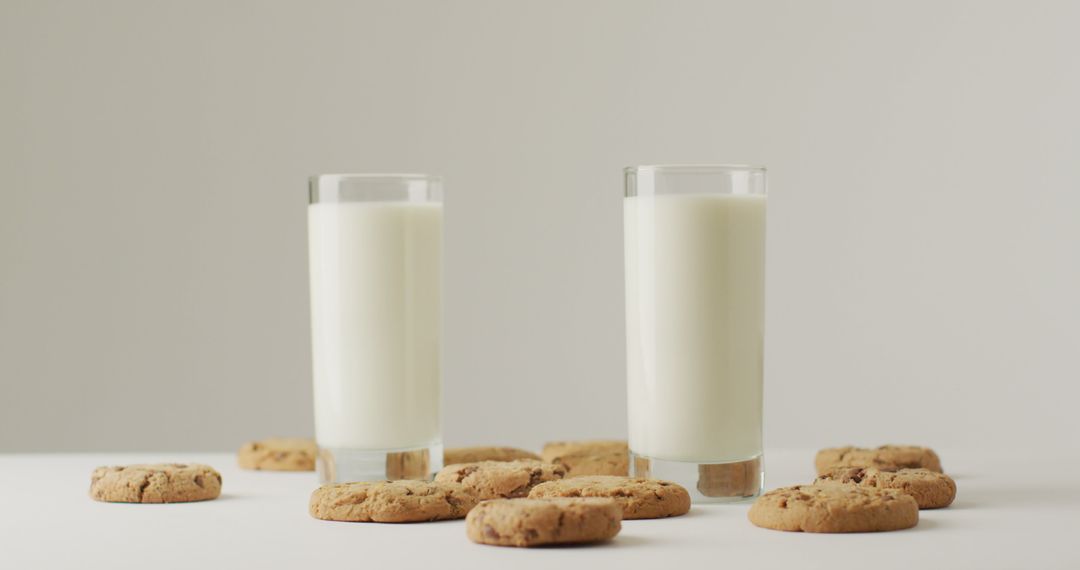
375	187
375	176
703	168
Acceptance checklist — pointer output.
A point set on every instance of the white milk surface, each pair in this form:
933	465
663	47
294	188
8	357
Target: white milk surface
695	284
376	278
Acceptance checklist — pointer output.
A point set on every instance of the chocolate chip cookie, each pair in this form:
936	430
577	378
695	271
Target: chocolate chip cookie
155	483
591	457
930	489
391	501
455	455
279	454
886	457
639	498
501	479
834	507
535	522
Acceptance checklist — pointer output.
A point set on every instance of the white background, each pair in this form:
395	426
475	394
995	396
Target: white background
923	231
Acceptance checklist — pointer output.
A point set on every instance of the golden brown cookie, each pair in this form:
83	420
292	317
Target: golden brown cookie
553	449
456	455
834	507
279	454
533	522
155	483
931	490
886	457
391	501
592	457
501	479
639	498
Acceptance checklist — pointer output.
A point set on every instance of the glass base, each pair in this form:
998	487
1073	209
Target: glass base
341	465
729	482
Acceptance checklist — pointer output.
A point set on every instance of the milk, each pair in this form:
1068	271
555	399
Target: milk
376	278
695	281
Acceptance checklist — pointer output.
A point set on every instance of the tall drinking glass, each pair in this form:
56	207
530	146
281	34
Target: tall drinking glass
695	306
375	245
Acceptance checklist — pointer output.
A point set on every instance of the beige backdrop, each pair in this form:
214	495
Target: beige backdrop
923	272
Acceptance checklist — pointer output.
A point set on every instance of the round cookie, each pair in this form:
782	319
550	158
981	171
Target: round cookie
456	455
279	454
583	464
832	458
391	501
583	458
553	449
501	479
534	522
639	498
931	490
834	507
155	483
886	457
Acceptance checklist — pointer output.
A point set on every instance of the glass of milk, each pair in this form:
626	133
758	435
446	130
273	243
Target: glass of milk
375	251
694	238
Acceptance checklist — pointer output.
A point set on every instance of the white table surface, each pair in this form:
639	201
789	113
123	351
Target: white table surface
1007	515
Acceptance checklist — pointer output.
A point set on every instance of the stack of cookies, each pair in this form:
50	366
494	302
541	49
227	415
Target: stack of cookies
859	490
574	492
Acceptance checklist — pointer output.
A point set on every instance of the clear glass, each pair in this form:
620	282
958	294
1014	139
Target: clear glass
694	238
375	253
